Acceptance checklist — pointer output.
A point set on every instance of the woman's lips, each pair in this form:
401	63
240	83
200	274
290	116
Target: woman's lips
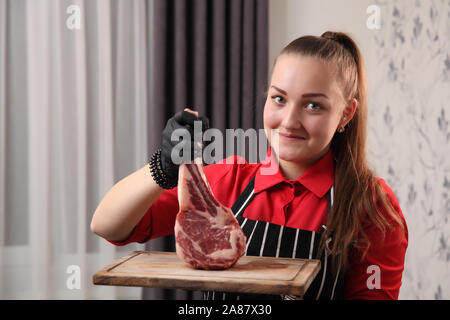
291	137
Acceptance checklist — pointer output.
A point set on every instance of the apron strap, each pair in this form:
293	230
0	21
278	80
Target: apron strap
244	198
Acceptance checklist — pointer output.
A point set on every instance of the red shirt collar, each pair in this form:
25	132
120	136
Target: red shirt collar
317	179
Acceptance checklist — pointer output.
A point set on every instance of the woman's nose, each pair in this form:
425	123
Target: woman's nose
292	117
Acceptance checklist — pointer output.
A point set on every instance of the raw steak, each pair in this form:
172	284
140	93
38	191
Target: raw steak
207	234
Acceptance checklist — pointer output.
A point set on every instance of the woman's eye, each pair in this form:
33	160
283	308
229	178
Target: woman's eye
278	99
313	106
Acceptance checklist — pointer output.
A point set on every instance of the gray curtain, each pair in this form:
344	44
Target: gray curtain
211	56
73	106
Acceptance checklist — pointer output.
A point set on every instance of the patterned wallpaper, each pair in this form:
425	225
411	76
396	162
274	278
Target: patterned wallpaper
409	133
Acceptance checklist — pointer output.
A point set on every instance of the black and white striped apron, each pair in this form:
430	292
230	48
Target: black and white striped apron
272	240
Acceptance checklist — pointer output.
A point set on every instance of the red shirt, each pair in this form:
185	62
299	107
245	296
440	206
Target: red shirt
300	203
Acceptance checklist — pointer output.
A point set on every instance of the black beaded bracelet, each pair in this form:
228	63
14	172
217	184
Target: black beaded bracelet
157	172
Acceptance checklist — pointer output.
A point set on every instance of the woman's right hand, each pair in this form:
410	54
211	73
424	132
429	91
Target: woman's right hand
182	120
128	200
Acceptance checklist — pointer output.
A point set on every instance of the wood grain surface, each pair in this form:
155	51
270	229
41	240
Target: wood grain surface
250	274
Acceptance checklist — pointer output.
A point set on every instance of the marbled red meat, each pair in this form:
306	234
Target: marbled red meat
207	234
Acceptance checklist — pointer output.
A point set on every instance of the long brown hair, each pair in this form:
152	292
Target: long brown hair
358	197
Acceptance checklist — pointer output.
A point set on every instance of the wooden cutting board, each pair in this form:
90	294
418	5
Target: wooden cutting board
250	274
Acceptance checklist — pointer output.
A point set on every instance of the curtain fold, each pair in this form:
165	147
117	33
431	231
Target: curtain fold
3	33
106	103
38	89
210	56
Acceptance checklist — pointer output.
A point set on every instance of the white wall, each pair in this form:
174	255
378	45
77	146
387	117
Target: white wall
408	74
290	19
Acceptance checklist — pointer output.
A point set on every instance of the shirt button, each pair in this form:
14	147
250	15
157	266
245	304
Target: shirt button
299	189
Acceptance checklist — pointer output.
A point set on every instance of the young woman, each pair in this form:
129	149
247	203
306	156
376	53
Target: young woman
323	202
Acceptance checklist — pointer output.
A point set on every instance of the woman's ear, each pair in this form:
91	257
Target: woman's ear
349	112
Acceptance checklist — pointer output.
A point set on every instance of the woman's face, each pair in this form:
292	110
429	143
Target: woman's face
305	104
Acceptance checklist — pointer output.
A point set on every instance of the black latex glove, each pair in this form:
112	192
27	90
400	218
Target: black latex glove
181	120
